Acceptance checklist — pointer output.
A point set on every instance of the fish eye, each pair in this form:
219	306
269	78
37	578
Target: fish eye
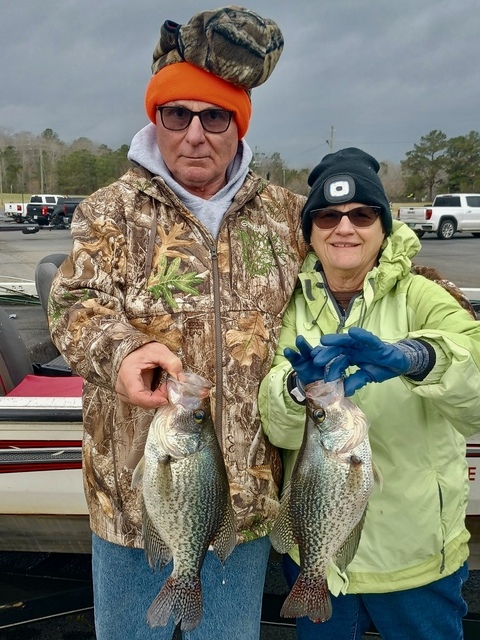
199	416
318	415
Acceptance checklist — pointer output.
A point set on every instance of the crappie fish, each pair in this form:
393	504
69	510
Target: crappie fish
323	506
186	499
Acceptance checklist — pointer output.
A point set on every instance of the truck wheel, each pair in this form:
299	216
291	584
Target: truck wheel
420	234
446	229
476	235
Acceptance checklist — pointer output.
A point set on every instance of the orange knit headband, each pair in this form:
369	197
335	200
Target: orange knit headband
184	81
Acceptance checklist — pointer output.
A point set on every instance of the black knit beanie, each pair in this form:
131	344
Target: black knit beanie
349	175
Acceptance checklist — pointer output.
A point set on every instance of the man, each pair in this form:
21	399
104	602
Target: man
184	263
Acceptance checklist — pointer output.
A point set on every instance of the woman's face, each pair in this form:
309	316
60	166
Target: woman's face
197	159
347	252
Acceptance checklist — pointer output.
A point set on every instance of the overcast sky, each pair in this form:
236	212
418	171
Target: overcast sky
382	73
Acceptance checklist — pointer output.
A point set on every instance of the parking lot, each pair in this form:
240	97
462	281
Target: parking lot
457	259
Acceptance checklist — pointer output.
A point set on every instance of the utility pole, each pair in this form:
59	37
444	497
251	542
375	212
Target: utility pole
1	179
41	170
330	141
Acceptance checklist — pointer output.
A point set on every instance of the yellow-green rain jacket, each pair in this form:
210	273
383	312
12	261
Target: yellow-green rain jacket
414	531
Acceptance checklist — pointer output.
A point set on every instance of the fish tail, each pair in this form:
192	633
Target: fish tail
180	598
308	597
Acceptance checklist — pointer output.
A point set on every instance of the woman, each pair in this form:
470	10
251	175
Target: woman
370	318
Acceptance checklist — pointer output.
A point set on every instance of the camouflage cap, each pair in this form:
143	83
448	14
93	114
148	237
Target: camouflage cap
231	42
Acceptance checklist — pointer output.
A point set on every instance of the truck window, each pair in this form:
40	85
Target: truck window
36	199
447	201
473	201
49	199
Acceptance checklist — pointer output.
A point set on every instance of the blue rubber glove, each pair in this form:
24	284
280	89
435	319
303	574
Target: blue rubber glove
304	363
377	360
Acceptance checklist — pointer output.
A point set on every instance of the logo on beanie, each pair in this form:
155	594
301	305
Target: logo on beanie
339	188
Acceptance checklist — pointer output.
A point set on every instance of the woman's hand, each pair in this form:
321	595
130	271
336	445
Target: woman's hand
377	360
309	368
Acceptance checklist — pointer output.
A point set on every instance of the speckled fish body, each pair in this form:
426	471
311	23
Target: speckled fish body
323	507
186	499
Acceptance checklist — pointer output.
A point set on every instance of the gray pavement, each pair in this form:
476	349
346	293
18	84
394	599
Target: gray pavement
20	254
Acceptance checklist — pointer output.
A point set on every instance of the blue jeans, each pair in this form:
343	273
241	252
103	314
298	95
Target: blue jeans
124	587
432	612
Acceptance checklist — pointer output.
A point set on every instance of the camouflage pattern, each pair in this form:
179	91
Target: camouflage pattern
143	268
233	43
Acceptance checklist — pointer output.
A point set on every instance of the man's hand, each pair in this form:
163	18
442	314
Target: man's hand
139	371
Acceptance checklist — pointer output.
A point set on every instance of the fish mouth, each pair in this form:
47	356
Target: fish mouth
189	392
325	393
330	398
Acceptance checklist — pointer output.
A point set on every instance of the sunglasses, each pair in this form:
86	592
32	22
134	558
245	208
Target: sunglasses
179	118
362	217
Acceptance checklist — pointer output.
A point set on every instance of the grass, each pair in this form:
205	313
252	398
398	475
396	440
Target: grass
14	197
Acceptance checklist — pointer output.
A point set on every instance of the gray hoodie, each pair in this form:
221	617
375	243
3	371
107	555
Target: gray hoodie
144	151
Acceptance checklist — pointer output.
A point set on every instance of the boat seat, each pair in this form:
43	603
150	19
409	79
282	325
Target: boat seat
33	386
15	362
44	274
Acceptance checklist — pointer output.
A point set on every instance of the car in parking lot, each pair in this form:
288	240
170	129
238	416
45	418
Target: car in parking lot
40	208
61	217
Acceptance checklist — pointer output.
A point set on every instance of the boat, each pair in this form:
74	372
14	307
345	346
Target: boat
42	502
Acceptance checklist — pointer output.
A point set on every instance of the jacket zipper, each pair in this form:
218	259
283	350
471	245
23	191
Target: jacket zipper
442	550
343	314
234	206
218	344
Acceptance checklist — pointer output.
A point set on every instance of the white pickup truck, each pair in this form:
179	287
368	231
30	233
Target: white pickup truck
16	209
37	209
450	213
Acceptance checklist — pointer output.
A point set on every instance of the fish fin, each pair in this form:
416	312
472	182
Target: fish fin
157	552
349	548
308	597
377	476
281	535
137	475
225	537
180	598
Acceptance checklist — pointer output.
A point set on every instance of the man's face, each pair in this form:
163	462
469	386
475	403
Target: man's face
197	159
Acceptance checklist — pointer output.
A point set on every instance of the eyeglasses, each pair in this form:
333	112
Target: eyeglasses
179	118
360	217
